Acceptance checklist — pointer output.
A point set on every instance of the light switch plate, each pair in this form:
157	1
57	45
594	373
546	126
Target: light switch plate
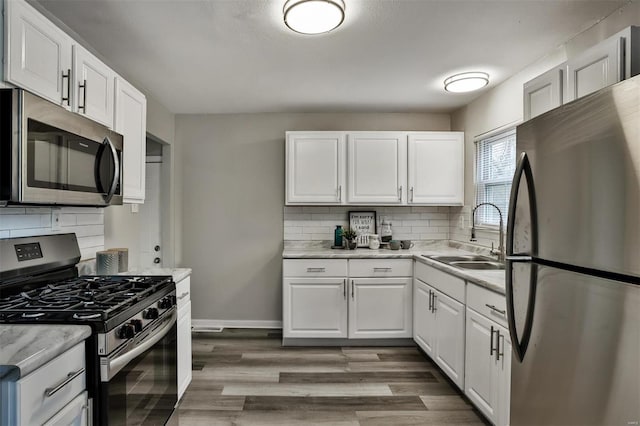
461	222
135	208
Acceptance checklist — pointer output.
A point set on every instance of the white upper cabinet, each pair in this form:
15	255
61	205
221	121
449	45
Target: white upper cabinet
606	63
376	168
436	168
131	122
38	54
543	93
93	88
315	168
373	168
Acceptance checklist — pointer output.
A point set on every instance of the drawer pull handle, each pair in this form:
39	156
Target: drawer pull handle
493	308
315	269
382	269
183	295
48	392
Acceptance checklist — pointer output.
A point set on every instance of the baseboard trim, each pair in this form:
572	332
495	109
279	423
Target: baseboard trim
209	324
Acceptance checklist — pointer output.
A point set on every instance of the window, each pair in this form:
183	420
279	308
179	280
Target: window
495	166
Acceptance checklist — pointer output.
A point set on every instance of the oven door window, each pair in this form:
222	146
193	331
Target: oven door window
57	159
145	391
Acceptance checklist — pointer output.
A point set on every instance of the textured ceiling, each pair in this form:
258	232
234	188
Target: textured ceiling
228	56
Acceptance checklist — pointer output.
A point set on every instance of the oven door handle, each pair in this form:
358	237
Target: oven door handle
117	364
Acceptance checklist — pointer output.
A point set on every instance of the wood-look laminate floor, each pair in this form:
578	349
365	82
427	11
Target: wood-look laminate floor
245	377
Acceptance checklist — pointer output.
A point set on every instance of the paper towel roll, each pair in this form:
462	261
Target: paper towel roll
107	262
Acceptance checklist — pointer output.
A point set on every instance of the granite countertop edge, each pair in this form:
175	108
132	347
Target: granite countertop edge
178	274
27	347
491	280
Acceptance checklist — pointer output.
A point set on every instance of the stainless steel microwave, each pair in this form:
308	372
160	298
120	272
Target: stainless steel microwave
52	156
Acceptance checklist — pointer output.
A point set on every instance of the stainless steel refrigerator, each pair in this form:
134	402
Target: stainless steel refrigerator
573	265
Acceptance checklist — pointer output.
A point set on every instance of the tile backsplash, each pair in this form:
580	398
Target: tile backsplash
86	222
317	223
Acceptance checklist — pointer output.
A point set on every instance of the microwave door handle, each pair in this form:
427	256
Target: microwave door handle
116	170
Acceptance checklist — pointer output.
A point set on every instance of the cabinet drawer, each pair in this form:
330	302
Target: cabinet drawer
183	292
48	389
314	267
446	283
488	303
380	268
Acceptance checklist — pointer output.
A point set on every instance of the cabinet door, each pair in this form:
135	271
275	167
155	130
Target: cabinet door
74	413
480	382
315	167
450	337
376	168
423	318
436	168
93	89
543	93
38	56
503	377
598	67
131	122
380	308
184	348
314	307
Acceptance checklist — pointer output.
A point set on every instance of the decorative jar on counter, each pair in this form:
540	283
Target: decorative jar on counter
374	241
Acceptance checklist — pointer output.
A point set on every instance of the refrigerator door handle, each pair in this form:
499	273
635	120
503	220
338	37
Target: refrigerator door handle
520	345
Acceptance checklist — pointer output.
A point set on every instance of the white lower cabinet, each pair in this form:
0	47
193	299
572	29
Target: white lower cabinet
488	367
423	319
183	296
314	307
74	414
439	329
355	299
449	336
53	394
380	308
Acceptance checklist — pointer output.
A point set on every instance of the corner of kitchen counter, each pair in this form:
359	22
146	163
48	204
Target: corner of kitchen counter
26	347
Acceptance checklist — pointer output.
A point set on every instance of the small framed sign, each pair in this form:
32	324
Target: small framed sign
364	223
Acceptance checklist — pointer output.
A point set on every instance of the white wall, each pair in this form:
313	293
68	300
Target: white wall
233	198
503	106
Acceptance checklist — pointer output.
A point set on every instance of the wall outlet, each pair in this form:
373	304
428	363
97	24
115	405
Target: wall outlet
56	221
461	222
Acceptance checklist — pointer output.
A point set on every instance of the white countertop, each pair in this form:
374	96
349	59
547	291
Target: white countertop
491	279
178	274
26	347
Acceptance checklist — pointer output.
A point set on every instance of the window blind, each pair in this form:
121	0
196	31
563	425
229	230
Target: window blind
495	166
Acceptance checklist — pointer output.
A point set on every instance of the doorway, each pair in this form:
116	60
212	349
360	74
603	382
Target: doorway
151	247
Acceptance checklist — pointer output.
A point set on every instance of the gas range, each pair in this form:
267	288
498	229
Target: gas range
101	301
133	319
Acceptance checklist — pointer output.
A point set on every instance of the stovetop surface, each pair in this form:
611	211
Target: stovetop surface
84	299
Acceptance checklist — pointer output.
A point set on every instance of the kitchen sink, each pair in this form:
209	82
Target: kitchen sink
469	261
478	265
460	258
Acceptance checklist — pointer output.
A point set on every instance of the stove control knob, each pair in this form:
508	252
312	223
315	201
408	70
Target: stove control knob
126	332
151	313
137	325
165	303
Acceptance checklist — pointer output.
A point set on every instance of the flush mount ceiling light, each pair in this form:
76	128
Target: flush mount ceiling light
313	16
466	82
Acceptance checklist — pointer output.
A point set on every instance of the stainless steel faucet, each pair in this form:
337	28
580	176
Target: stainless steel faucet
500	252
